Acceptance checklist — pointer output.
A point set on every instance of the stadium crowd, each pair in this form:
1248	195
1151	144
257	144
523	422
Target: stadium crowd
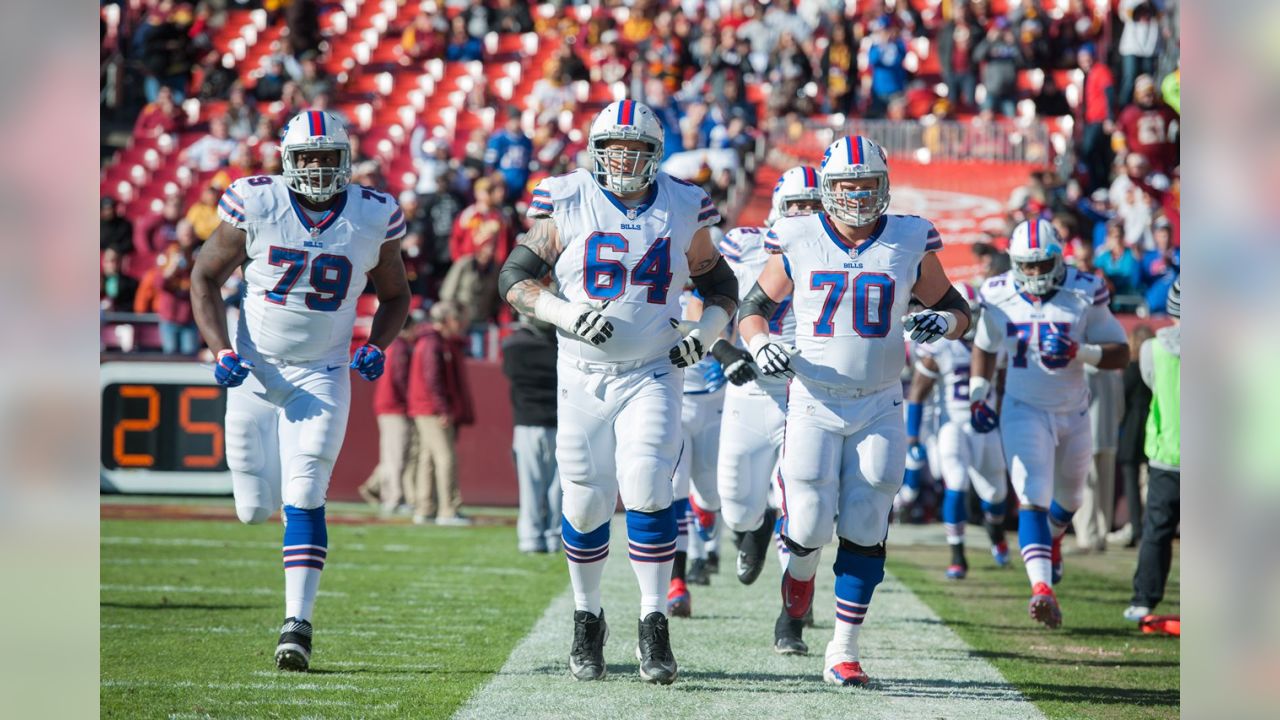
719	74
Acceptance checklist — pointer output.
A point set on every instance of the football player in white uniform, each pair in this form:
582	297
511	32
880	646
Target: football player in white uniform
850	271
1050	320
965	455
306	241
623	239
755	410
696	500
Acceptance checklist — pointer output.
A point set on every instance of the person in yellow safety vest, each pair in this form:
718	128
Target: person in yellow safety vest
1160	361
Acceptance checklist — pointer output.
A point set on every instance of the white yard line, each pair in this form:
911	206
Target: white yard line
728	668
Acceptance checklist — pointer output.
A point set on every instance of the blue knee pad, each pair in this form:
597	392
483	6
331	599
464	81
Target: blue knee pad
306	537
1059	515
954	509
857	576
651	536
911	478
585	547
995	511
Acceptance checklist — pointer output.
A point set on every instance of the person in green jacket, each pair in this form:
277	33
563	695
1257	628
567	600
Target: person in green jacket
1171	90
1160	362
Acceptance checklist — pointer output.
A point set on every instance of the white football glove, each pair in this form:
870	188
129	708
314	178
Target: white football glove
689	350
927	326
774	360
585	321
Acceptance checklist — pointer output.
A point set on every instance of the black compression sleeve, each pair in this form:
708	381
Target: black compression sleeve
522	264
757	302
719	280
953	301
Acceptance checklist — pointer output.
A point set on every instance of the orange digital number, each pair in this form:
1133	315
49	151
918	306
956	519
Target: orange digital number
142	424
212	429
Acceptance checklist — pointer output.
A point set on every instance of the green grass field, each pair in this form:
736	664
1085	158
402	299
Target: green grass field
1096	666
410	620
413	620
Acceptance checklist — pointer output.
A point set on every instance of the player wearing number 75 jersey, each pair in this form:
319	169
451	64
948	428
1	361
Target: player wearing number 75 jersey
850	271
306	242
623	239
1050	320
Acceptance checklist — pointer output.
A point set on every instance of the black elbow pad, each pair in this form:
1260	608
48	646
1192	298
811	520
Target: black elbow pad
757	302
522	264
719	280
953	301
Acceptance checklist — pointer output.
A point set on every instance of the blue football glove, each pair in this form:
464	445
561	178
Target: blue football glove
713	374
230	370
369	361
983	417
1057	349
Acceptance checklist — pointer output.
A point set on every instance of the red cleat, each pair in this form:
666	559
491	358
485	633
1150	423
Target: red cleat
679	602
797	596
705	519
848	674
1044	606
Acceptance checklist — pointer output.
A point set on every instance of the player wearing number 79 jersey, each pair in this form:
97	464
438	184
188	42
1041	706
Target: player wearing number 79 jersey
307	241
850	271
1050	320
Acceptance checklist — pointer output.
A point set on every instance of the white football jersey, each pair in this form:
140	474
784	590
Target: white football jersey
1016	322
849	302
747	249
635	258
953	358
304	273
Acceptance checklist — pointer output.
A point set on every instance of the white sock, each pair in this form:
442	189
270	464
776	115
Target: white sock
301	584
585	578
803	568
844	644
654	579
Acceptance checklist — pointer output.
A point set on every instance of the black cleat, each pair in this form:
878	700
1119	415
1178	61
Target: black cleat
657	664
713	563
293	652
752	548
586	657
786	635
698	573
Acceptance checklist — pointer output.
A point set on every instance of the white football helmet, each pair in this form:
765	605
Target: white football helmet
975	307
853	157
1033	242
315	130
798	184
625	120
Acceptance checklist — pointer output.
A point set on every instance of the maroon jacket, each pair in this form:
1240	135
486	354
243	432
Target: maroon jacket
438	380
391	392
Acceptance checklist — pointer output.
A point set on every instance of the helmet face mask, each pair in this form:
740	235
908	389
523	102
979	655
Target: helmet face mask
1035	254
315	156
855	181
626	147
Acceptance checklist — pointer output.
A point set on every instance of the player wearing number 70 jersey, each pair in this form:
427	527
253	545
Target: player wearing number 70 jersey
1051	320
623	239
850	271
306	241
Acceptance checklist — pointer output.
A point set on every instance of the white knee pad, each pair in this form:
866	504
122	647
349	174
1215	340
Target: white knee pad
253	514
307	481
255	482
645	483
587	507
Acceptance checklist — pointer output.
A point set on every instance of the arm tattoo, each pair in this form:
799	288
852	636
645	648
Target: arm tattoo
543	239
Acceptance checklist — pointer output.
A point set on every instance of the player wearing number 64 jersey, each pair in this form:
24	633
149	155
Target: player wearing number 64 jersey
850	271
623	239
306	242
1050	320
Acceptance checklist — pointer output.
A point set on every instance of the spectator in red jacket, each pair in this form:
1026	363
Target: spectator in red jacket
397	440
160	117
481	218
178	333
1149	127
1097	113
439	402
